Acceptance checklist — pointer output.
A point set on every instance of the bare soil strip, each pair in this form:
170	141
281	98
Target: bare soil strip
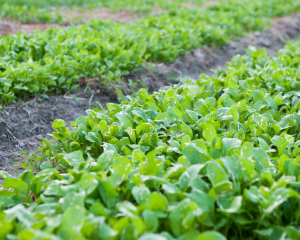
208	59
22	125
205	4
121	16
12	27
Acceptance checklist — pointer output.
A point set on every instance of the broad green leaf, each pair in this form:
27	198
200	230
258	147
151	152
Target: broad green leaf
186	129
71	222
131	134
151	236
261	121
189	175
140	113
230	205
105	158
151	221
94	137
88	182
193	153
216	173
81	120
247	150
108	193
211	235
193	115
204	201
105	231
278	196
156	201
5	228
103	126
21	189
177	215
235	114
165	117
150	168
232	164
73	198
138	156
209	132
230	143
74	158
60	126
141	194
124	120
121	166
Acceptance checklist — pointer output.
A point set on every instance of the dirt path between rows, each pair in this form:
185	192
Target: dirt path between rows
207	59
121	16
23	125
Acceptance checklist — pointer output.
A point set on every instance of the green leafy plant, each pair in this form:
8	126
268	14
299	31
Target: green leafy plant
217	158
30	14
49	11
52	61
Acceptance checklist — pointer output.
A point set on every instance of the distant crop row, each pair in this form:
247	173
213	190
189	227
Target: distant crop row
46	11
29	14
113	4
55	59
210	159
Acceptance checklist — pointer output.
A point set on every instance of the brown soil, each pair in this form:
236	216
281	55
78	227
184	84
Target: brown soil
11	27
24	124
210	3
207	59
190	5
204	4
121	16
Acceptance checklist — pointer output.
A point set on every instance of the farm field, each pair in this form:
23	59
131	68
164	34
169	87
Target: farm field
180	122
53	11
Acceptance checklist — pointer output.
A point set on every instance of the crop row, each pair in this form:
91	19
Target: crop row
213	159
54	60
112	4
51	11
29	14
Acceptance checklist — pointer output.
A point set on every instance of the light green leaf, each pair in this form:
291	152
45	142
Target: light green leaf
261	121
204	201
230	205
151	236
216	173
71	223
108	193
193	153
141	194
211	235
230	143
278	196
247	150
74	158
209	132
156	202
121	116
